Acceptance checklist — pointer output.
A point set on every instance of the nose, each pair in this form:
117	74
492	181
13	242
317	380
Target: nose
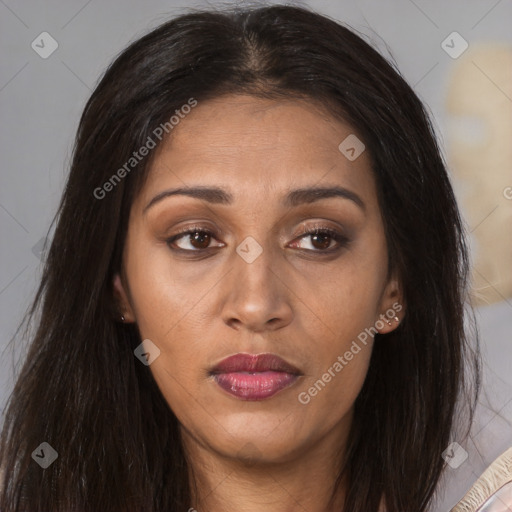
257	297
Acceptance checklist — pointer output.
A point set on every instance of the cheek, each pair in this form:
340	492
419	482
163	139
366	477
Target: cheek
349	306
338	365
173	377
327	397
161	296
343	333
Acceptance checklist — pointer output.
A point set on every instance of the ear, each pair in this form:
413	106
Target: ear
121	297
391	307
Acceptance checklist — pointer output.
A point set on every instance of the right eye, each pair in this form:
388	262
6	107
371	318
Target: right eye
199	238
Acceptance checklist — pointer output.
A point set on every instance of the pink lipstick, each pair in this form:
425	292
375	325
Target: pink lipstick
254	377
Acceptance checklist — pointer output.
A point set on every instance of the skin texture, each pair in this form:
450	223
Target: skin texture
200	307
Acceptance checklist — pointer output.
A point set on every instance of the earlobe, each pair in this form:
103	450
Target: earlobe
392	308
387	322
124	309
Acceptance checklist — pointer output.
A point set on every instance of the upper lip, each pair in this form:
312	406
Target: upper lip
243	362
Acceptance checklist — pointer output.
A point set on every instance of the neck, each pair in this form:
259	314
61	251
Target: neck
253	483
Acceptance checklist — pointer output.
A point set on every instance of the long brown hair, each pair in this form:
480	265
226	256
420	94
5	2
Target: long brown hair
82	390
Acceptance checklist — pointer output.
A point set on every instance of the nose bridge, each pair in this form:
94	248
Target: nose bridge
257	252
254	267
256	294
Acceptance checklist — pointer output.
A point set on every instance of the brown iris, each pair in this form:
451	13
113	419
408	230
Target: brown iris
201	238
325	240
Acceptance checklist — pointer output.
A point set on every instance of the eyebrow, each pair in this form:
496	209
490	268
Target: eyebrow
217	195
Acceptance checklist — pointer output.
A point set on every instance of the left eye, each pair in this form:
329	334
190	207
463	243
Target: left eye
200	239
321	239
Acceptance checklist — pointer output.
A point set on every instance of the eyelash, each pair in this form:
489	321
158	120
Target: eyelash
342	240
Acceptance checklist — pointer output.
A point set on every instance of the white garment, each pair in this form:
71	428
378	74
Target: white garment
491	432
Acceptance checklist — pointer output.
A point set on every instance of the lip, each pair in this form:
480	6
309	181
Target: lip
243	362
254	376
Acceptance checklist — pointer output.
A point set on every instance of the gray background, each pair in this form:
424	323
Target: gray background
41	101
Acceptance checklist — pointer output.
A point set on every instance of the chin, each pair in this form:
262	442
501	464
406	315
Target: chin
258	448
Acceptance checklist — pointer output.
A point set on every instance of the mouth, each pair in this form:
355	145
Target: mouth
254	377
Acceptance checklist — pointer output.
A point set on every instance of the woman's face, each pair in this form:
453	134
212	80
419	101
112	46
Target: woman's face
252	281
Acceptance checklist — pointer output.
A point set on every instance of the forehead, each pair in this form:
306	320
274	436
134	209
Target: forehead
255	146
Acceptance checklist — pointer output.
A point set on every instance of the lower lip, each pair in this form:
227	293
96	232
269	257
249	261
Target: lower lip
254	386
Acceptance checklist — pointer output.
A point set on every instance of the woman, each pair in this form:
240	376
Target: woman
254	296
